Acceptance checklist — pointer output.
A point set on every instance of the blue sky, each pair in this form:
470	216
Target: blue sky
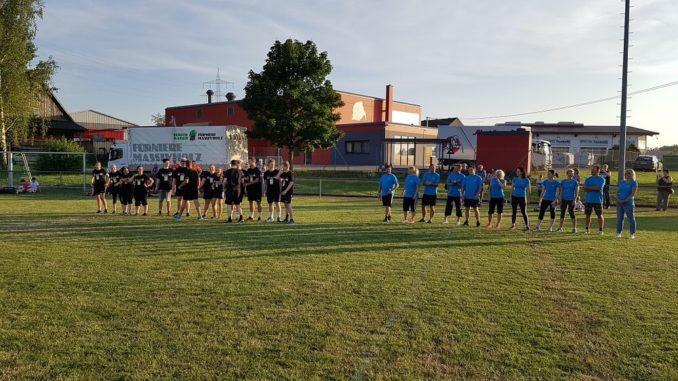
468	59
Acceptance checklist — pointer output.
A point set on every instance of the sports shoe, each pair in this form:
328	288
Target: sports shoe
600	232
537	228
159	213
549	230
105	211
278	220
98	211
200	218
632	236
559	230
513	227
444	221
458	222
240	220
477	224
230	220
429	221
422	221
291	222
188	214
259	219
618	235
177	217
574	231
389	218
385	219
586	231
269	219
145	214
250	218
498	226
465	223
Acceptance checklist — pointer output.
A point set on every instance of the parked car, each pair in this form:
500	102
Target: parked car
647	163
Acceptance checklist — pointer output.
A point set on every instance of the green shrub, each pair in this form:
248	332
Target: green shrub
61	162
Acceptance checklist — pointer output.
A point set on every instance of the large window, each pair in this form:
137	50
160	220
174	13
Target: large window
358	146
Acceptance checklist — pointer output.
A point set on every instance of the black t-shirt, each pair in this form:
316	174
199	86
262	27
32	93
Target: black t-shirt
115	177
99	176
127	180
180	175
164	177
234	178
218	182
285	179
140	181
272	183
193	180
252	175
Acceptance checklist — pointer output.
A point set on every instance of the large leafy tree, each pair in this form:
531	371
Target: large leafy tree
21	83
291	102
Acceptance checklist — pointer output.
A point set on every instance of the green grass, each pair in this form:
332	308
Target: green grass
340	295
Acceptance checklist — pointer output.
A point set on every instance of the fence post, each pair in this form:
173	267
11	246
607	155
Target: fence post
320	192
10	170
84	175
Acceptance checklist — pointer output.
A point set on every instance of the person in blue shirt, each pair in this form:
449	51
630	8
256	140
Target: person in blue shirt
430	182
472	186
388	183
411	193
593	186
453	185
497	186
520	196
626	202
550	191
569	193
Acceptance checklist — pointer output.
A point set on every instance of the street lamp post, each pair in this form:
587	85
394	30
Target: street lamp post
622	117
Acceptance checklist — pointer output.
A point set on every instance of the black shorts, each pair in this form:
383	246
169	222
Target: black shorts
98	188
428	199
286	198
590	207
272	197
387	200
254	193
218	194
141	197
179	193
233	197
409	204
498	204
190	194
207	193
470	203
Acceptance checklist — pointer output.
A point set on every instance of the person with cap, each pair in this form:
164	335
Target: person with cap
163	186
189	188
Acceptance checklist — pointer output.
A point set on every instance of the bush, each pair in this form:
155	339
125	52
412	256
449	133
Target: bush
60	162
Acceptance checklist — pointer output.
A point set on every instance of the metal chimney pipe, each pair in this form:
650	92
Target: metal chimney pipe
209	95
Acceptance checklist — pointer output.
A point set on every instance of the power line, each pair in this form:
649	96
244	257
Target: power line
653	88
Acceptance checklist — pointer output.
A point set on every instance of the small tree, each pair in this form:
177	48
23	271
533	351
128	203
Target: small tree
158	119
291	101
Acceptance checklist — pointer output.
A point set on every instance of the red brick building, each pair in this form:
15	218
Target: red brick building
365	120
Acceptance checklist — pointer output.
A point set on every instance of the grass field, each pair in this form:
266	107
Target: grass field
340	295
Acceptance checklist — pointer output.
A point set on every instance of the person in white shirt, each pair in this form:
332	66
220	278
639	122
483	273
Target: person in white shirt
35	186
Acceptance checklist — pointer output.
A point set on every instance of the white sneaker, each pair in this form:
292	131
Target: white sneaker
632	236
618	235
269	219
559	230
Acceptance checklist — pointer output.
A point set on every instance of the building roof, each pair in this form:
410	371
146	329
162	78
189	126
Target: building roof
578	128
95	120
442	122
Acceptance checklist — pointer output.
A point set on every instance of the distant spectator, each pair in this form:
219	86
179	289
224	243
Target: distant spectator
35	185
25	186
605	172
664	190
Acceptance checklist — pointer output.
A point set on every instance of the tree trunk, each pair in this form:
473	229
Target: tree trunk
290	155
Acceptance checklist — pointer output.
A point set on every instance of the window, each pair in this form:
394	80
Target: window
358	146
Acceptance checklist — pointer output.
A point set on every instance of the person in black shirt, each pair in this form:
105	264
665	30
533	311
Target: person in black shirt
126	190
605	172
218	193
141	183
179	178
272	190
163	186
233	184
99	183
189	187
114	186
286	188
207	185
253	188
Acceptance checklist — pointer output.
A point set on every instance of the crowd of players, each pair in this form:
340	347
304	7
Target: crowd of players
465	186
186	182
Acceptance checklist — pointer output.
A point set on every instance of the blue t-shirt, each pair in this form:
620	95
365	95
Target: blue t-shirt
411	184
472	184
626	189
457	179
595	197
568	189
388	183
550	189
431	190
520	187
496	191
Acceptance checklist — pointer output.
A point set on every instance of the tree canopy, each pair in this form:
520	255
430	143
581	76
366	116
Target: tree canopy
291	101
20	81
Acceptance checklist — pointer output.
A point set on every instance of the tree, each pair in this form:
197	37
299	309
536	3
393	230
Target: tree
20	83
291	101
158	119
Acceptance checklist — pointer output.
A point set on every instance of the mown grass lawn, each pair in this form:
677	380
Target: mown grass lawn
340	295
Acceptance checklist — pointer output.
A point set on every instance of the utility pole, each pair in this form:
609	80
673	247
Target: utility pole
625	73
